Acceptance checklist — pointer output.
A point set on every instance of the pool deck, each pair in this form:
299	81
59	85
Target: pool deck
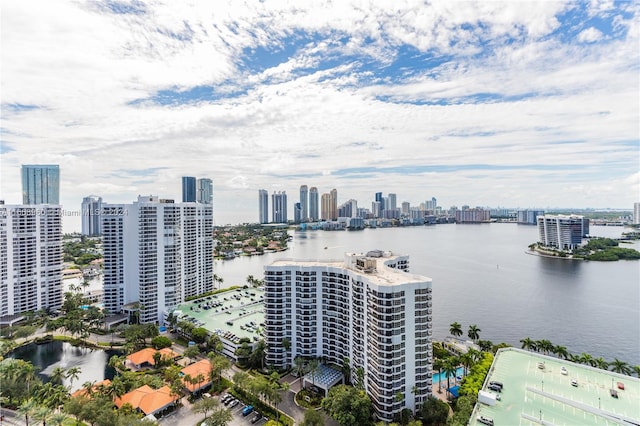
533	395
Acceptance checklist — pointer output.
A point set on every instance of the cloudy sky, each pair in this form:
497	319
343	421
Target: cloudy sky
516	104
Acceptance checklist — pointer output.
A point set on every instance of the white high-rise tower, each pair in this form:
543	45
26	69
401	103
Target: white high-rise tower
156	253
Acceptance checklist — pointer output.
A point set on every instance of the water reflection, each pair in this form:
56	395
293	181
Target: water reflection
93	363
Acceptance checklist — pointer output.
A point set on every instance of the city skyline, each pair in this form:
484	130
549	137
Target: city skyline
519	105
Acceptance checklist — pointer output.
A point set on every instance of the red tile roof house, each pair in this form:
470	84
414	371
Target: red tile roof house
148	400
201	367
144	357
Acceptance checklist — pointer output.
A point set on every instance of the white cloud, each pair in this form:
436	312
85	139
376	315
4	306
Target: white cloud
501	84
589	35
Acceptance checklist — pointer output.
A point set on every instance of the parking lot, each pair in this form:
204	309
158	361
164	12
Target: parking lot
238	418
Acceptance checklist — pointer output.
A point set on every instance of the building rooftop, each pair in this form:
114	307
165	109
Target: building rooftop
372	266
146	356
201	367
538	391
238	313
147	400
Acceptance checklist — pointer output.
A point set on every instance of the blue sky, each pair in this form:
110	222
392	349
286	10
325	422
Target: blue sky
516	104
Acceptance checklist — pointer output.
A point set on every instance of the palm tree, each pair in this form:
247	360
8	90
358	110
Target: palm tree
28	408
586	359
620	367
72	374
57	375
314	367
474	332
88	387
438	364
466	360
346	370
527	343
600	363
58	419
299	366
545	346
561	351
450	369
456	329
42	414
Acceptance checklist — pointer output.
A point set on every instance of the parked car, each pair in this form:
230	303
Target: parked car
485	420
495	383
234	403
495	388
574	383
247	410
256	418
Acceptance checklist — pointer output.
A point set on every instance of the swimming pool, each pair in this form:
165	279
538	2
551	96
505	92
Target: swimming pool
436	376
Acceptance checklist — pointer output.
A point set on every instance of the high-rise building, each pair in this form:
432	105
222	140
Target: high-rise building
348	209
392	202
313	204
376	208
325	208
188	189
636	213
263	206
475	215
156	253
334	204
368	309
529	217
41	184
406	208
279	207
297	213
91	209
380	199
30	257
204	191
562	232
304	203
430	205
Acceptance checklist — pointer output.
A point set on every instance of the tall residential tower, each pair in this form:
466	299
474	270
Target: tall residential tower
156	253
368	309
304	203
313	204
91	209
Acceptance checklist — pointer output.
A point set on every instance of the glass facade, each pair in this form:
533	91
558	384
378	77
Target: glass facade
41	184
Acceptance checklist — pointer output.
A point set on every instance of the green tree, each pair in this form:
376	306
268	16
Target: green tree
219	363
561	352
57	375
346	370
434	411
474	332
256	359
199	334
299	366
450	367
28	409
160	342
527	343
73	373
455	329
312	418
438	364
620	367
348	406
314	367
205	405
191	352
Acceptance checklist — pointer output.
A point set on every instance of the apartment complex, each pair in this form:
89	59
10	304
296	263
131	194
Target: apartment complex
279	206
476	215
529	217
561	231
263	206
90	210
30	258
156	253
367	308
